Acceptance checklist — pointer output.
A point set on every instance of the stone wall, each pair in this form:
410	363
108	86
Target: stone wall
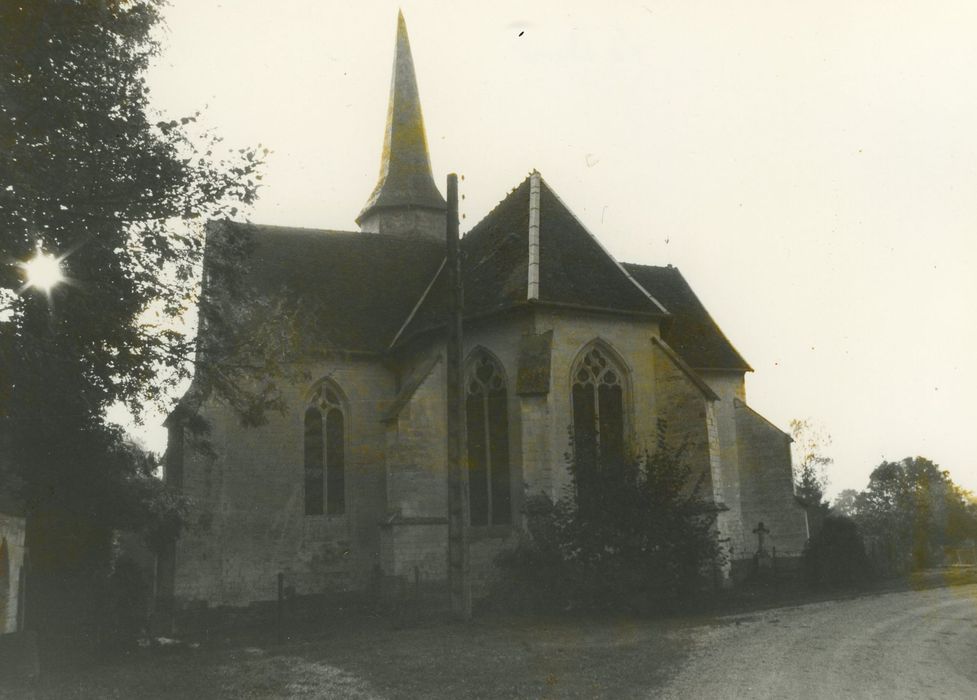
689	421
416	447
767	485
483	548
729	386
501	338
414	535
629	340
12	530
414	539
415	549
420	223
248	521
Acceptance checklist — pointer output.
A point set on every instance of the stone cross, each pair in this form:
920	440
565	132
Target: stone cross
760	530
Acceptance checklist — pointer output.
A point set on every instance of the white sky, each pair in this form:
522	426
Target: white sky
810	167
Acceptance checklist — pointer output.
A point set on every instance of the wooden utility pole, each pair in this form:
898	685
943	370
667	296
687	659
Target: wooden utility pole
458	566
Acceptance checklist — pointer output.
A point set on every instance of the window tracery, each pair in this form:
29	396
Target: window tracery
598	412
487	421
325	453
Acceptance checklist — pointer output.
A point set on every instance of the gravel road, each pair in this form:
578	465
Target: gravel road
912	644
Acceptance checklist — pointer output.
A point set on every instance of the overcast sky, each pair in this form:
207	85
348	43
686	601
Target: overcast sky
810	167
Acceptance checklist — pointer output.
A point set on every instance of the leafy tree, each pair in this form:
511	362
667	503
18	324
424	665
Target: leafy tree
912	509
961	524
835	556
639	535
845	503
89	175
810	463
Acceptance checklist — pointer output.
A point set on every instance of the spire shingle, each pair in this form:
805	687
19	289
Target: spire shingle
405	180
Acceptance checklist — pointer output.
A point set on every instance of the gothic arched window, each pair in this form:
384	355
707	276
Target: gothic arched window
598	412
487	419
325	454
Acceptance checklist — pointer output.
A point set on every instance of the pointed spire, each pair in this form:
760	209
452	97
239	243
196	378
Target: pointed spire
406	183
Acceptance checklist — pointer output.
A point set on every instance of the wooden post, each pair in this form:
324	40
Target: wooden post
458	566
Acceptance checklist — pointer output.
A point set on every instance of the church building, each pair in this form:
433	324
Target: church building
345	480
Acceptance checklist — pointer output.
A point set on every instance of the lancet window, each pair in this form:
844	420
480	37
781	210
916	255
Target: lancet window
598	412
325	453
487	417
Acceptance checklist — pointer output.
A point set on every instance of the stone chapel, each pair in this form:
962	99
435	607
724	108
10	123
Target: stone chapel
348	481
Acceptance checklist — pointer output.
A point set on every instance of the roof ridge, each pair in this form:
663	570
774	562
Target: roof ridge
702	306
604	250
281	227
669	266
719	328
336	233
740	403
498	204
532	283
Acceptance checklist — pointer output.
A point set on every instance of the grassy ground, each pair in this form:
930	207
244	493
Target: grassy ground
357	656
498	659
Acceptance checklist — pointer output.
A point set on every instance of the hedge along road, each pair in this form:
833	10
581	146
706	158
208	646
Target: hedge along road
910	644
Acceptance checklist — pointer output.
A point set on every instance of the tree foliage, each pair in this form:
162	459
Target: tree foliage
639	535
810	463
835	556
845	503
911	509
89	174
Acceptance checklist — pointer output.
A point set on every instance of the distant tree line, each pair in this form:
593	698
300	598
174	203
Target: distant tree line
910	513
908	517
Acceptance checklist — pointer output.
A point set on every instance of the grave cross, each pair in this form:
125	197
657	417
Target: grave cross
760	530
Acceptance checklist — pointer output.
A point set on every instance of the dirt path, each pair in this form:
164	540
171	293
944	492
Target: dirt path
893	645
897	645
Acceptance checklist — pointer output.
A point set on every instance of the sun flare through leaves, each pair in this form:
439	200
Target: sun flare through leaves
43	271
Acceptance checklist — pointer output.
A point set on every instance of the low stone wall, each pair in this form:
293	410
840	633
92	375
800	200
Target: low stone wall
12	531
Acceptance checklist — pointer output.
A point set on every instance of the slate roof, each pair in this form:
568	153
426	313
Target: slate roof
368	292
358	286
690	330
574	269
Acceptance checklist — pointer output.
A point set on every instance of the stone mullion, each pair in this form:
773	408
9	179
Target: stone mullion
488	454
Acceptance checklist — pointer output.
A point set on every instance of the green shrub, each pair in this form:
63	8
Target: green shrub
631	536
835	557
124	605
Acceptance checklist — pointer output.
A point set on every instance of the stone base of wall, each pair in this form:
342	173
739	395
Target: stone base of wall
295	612
12	542
776	568
483	549
415	554
412	576
415	549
